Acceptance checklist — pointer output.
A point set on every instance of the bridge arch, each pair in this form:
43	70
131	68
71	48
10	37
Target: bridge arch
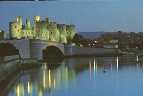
52	52
7	49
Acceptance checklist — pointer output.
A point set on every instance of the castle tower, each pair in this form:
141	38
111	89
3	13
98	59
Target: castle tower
44	32
28	24
70	32
63	33
16	28
47	20
19	20
37	23
28	31
54	32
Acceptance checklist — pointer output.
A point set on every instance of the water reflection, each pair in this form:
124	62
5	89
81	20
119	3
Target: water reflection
117	60
51	77
43	81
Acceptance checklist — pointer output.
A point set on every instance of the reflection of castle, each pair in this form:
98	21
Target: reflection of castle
43	30
44	82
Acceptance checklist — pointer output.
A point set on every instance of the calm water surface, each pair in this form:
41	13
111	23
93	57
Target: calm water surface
101	76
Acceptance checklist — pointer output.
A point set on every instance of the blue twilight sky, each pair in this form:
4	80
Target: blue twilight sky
87	15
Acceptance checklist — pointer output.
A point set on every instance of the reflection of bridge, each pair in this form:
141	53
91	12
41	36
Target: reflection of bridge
34	48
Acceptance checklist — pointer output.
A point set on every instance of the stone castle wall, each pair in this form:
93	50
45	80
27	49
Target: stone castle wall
43	30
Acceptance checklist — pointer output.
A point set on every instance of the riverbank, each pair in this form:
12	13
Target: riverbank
89	52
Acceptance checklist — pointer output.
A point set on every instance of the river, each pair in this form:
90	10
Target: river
94	76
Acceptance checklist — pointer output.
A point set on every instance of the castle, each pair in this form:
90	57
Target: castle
42	30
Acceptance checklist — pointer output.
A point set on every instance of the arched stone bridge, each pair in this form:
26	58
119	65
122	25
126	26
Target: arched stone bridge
34	48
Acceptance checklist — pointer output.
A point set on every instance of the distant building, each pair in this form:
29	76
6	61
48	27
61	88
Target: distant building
41	29
1	35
